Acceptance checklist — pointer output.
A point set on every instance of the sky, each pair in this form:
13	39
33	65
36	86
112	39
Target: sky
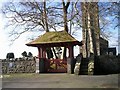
19	45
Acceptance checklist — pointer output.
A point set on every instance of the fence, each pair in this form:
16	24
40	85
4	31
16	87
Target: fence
19	65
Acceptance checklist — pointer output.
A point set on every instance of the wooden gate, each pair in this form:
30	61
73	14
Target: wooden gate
56	65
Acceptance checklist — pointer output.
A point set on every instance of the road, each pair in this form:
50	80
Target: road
62	80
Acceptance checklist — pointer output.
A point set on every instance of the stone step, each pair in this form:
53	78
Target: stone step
84	67
83	73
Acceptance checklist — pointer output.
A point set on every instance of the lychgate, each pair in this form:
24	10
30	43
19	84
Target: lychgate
49	41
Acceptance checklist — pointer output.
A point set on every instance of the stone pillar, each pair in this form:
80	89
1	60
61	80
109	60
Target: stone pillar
69	65
8	61
91	65
70	61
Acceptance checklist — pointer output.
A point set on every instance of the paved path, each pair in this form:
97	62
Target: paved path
60	81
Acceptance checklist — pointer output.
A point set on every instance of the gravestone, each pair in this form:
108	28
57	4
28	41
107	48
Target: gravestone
77	65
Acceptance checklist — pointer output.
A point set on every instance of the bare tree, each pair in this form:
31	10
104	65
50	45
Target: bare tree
90	28
26	17
33	16
108	16
100	20
65	8
37	16
45	17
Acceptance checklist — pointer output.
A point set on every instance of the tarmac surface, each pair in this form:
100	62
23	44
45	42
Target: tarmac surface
59	80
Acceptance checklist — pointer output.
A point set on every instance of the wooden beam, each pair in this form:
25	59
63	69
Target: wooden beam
71	53
40	54
44	53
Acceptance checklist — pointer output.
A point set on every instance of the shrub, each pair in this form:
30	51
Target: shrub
106	64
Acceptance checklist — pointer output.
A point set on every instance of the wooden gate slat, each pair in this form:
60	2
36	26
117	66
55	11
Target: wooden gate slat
58	63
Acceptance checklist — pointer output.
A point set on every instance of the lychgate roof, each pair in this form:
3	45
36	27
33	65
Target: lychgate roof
56	38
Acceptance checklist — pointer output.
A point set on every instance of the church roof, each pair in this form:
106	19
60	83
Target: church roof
56	38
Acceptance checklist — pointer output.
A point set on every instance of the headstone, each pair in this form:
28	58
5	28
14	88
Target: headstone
77	68
91	68
91	64
77	65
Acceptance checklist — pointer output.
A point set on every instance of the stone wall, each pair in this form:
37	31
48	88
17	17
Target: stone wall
19	65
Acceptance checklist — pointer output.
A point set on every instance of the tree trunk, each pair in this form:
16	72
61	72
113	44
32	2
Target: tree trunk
48	50
65	7
90	23
85	27
45	17
91	33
